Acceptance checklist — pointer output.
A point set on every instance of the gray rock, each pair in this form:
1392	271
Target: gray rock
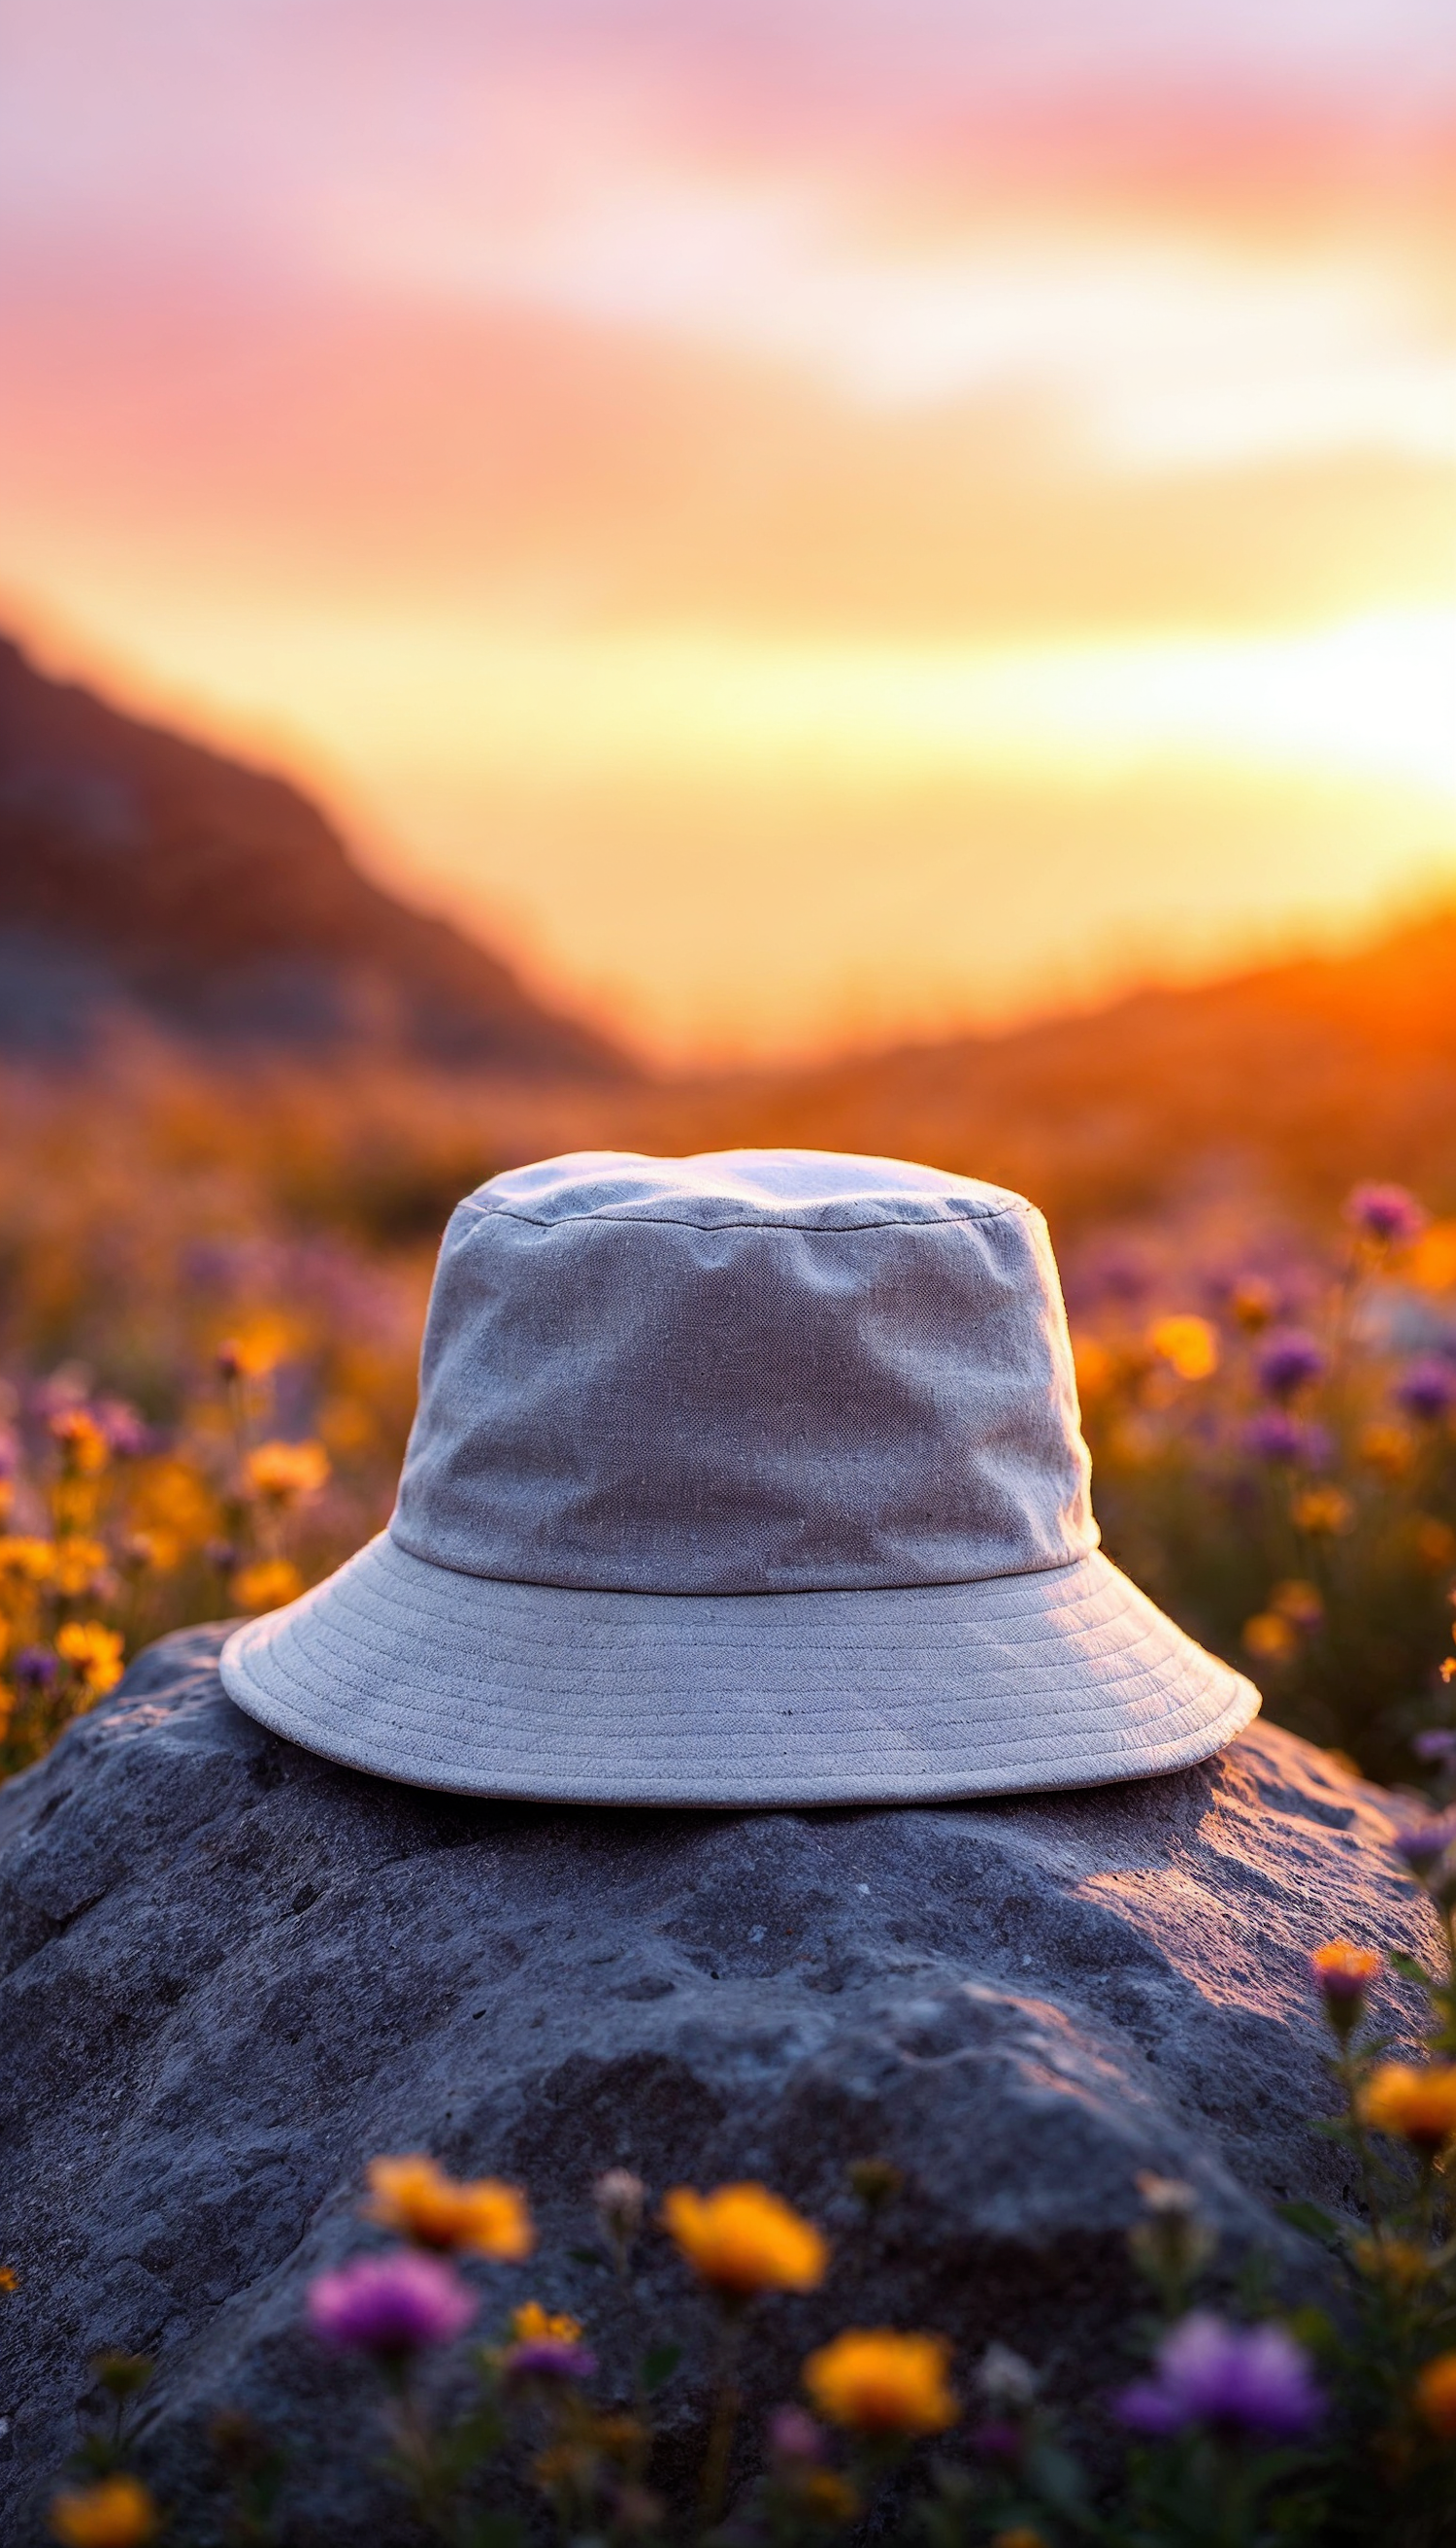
231	1974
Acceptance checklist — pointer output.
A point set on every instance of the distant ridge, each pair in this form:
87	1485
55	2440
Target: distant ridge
143	876
1286	1084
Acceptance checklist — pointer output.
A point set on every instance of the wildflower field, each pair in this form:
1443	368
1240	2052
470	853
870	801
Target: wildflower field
1274	1458
204	1384
210	1297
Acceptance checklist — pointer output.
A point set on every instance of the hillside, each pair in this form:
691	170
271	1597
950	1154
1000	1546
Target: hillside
1288	1082
143	876
1272	1092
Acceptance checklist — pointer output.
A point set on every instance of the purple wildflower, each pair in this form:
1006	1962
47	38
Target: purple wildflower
1288	1362
1437	1743
65	1389
1122	1274
9	1451
996	2439
1423	1840
1274	1436
1245	2380
548	2357
36	1666
794	2436
389	2305
1389	1215
1281	1439
1427	1389
128	1435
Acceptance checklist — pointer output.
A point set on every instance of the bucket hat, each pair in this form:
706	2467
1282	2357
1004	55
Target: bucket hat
745	1480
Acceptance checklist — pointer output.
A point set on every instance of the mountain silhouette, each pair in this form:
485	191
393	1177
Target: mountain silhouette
142	875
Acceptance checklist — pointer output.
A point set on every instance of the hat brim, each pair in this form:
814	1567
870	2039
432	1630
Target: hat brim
414	1671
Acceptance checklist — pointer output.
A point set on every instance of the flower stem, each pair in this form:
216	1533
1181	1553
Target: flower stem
1348	2065
418	2460
724	2423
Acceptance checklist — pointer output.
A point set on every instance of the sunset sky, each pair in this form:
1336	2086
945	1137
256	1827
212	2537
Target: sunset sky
803	519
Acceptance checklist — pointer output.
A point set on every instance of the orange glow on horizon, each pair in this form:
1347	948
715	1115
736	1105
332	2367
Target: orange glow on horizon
879	523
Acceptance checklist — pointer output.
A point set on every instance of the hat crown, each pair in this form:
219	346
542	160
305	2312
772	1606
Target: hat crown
751	1371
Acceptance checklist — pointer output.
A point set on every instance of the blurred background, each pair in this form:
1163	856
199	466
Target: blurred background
805	523
880	575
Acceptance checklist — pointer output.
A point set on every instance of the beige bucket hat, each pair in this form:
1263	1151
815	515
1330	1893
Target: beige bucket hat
745	1480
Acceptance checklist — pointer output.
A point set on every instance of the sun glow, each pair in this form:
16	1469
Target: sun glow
747	846
1369	697
888	514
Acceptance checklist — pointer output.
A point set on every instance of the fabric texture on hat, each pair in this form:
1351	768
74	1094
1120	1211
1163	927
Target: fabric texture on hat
751	1479
1065	1679
644	1382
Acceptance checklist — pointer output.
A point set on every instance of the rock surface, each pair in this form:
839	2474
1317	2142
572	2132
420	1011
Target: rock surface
230	1972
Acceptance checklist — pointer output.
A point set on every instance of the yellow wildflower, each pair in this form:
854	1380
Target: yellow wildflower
1344	1974
1326	1513
531	2324
1188	1345
878	2381
1269	1638
1094	1368
95	1653
348	1427
251	1352
741	2239
1435	1543
8	2278
159	1551
1434	1262
1253	1301
822	2495
1413	2105
283	1473
30	1561
1388	1449
78	1566
1298	1602
1435	2396
1344	1970
83	1447
173	1498
266	1585
483	2216
117	2514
